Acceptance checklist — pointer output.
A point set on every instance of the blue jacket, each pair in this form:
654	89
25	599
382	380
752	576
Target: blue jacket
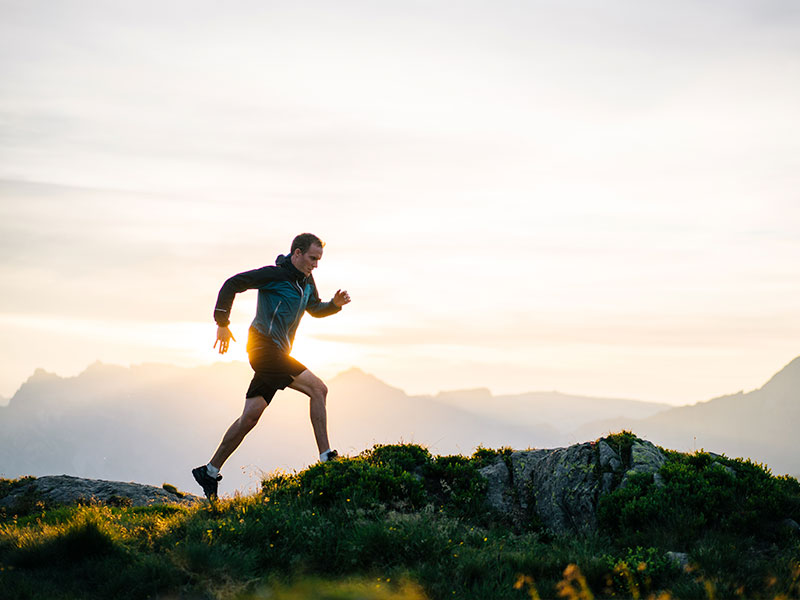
284	293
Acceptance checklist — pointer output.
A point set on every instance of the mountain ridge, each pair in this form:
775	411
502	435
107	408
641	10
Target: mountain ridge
153	422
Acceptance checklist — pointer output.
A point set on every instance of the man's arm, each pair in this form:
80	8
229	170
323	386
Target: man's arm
248	280
317	308
238	283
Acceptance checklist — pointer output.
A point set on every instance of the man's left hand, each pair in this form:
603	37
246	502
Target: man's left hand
341	298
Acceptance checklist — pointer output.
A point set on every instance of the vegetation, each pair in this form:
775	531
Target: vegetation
396	523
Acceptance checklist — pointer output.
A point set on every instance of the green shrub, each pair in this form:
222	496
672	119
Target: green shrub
454	483
359	481
29	502
485	456
398	457
173	490
700	494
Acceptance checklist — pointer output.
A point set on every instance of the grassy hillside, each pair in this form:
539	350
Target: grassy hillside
398	523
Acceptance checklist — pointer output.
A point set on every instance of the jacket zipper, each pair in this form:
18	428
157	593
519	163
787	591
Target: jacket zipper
272	320
299	314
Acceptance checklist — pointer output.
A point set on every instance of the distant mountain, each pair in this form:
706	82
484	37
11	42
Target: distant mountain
367	411
761	424
153	423
564	412
140	423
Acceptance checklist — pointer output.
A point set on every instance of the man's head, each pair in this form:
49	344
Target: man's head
306	252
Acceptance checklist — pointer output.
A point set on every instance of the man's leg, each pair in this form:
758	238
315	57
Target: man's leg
253	407
313	387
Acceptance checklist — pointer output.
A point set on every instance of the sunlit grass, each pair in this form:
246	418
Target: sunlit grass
392	524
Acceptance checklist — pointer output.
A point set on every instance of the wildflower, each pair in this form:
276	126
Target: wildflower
521	581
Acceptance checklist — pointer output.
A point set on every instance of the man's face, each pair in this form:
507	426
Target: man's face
305	263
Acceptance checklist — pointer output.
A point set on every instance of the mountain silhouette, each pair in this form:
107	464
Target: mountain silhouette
153	423
760	424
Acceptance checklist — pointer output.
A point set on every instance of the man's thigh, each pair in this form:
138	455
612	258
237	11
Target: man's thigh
308	383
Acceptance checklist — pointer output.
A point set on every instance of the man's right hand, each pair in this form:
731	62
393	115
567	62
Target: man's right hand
224	336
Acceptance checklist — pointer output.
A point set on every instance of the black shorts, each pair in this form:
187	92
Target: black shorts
274	368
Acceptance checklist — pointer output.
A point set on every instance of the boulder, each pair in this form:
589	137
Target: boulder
646	458
609	459
64	489
498	480
562	486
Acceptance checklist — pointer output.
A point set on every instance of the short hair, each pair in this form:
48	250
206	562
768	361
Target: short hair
304	241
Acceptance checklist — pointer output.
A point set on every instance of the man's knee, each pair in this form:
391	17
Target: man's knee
321	389
310	385
253	409
248	420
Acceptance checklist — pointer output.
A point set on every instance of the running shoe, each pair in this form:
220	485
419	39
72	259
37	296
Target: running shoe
207	482
331	455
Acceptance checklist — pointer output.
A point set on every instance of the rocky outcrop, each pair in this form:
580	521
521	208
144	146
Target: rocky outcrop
64	489
561	487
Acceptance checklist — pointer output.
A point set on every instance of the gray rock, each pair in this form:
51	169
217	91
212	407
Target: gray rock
607	483
523	464
64	489
645	458
609	459
498	492
562	484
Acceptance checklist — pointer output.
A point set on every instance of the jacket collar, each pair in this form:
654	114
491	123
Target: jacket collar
285	261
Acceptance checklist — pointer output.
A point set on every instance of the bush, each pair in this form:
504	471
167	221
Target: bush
700	494
401	477
454	483
365	483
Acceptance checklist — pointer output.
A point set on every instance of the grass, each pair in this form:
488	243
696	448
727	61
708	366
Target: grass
397	523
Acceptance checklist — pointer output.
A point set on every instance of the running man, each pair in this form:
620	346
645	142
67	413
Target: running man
285	291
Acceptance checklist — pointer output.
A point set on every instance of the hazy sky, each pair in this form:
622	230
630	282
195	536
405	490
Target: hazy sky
593	197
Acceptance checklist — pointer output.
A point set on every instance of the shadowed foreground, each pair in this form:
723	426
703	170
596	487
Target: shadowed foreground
398	523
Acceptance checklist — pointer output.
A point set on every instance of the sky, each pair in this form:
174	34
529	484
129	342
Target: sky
598	198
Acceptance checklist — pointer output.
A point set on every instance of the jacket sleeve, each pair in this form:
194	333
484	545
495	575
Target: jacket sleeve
317	308
248	280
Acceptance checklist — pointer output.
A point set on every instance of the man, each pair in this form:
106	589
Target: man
285	291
